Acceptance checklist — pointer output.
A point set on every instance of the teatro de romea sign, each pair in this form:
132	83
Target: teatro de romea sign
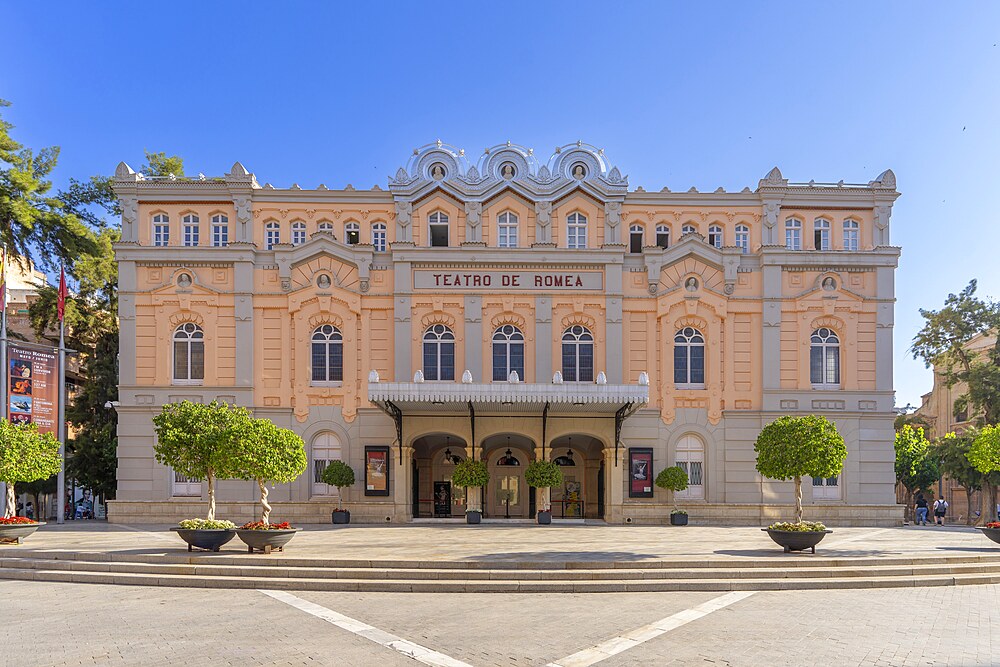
461	280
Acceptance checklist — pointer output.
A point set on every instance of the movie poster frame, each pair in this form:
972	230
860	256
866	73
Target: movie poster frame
384	450
634	454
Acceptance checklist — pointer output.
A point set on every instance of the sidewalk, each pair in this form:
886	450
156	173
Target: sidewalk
523	542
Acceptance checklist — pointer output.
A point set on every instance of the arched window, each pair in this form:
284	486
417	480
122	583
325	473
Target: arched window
439	353
743	238
507	230
298	232
824	358
689	358
578	355
663	236
793	234
220	230
191	229
715	236
325	226
690	458
189	354
352	233
576	230
437	223
325	448
272	235
508	353
821	234
851	233
327	355
635	239
379	237
161	229
688	229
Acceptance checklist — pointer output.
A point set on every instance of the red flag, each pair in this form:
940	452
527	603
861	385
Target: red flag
62	293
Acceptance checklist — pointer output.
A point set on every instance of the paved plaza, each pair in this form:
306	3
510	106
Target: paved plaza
91	624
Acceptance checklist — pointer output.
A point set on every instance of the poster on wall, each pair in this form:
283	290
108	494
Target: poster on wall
376	471
640	472
442	498
33	386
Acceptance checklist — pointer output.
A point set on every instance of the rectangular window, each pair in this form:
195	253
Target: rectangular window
743	241
662	238
826	489
439	236
793	238
635	243
569	363
184	486
824	365
680	365
191	234
697	364
586	363
431	361
821	239
851	235
181	360
447	361
220	236
161	235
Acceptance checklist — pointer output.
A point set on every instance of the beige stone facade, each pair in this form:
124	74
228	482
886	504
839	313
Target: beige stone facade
508	310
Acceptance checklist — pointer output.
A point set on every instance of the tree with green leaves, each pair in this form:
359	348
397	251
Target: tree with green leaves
672	479
340	475
267	453
200	441
25	456
943	343
34	225
916	466
791	447
952	454
984	455
543	475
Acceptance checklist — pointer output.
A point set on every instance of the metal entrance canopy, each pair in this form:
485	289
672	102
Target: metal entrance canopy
508	398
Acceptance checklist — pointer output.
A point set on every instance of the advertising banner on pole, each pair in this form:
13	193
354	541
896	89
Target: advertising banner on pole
33	386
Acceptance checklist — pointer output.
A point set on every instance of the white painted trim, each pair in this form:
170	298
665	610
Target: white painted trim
407	648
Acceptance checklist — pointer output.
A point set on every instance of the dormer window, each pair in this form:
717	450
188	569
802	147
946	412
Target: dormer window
507	230
437	222
352	233
576	230
715	236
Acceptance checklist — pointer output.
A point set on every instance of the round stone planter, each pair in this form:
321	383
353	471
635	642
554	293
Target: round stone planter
18	531
794	540
473	517
992	533
341	516
266	541
545	517
209	540
678	519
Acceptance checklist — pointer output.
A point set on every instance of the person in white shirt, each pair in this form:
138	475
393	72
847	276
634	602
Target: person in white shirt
940	508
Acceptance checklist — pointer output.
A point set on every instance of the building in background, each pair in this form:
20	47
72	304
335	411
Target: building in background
508	309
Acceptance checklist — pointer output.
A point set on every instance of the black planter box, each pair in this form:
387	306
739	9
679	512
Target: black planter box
266	540
341	516
992	533
794	540
545	517
209	540
16	532
678	519
473	517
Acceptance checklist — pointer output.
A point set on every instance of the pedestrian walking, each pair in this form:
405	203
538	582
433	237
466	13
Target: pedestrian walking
940	508
921	507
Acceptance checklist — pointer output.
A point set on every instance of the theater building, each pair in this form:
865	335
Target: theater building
507	309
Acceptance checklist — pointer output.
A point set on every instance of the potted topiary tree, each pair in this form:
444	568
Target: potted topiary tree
25	456
340	475
543	475
267	454
674	479
984	455
471	475
788	448
199	442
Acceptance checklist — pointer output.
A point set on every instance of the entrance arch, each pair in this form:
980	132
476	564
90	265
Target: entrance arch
508	495
581	458
432	491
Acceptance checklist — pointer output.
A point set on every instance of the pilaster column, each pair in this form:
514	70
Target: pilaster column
543	339
884	320
771	325
614	485
474	336
403	484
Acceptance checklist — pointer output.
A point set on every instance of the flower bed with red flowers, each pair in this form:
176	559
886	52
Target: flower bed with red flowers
260	525
17	521
993	524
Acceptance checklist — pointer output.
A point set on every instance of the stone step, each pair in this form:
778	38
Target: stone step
778	561
484	586
425	574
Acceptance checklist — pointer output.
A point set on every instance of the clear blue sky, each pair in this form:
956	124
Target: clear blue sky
678	94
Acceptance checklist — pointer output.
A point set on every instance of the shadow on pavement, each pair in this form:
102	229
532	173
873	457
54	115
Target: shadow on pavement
561	556
820	553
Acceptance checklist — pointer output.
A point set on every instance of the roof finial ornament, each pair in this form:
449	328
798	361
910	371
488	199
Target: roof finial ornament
439	143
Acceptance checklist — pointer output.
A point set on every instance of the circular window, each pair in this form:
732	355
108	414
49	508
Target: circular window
507	170
323	281
438	171
184	280
579	171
